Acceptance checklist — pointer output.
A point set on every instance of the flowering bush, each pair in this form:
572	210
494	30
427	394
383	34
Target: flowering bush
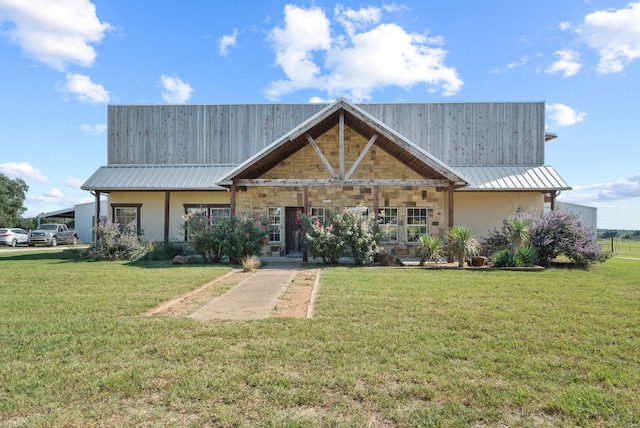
208	236
249	234
215	237
561	232
116	242
348	232
323	241
552	234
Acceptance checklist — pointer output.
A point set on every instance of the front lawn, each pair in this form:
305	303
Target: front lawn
388	347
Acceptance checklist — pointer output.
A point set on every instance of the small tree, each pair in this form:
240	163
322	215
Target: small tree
463	243
12	196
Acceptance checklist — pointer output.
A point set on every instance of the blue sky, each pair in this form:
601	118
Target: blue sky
63	62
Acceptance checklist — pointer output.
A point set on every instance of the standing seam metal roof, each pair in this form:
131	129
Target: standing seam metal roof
511	177
157	177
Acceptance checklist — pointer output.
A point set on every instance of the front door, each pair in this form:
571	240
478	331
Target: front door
293	238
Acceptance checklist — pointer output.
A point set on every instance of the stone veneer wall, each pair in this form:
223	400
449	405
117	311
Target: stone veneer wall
377	164
336	198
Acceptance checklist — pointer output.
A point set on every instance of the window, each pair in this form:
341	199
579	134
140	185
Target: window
388	221
360	209
275	224
206	212
416	223
317	212
124	214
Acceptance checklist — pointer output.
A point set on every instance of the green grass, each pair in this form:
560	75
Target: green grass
388	347
621	247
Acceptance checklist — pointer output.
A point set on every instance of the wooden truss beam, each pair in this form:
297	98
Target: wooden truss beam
275	182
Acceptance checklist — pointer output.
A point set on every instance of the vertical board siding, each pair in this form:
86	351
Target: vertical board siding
455	133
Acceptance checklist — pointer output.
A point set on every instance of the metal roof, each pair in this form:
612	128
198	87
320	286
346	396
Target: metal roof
157	177
511	177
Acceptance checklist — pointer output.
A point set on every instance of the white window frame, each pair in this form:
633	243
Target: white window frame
317	212
416	222
386	222
275	223
206	211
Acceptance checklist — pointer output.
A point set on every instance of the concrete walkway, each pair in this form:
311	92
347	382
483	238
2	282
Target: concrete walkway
254	297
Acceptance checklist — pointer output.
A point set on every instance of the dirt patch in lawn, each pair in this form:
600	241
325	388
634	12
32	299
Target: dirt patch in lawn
297	299
295	302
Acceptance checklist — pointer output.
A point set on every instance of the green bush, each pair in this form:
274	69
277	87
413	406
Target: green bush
525	256
503	258
236	237
347	233
116	242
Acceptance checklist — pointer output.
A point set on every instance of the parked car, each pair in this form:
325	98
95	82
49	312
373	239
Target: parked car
52	235
13	236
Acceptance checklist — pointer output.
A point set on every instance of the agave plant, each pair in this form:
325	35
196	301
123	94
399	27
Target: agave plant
463	243
429	249
518	231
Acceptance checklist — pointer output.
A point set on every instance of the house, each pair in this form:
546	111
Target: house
421	167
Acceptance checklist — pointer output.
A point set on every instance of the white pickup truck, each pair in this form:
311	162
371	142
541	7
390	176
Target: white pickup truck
52	235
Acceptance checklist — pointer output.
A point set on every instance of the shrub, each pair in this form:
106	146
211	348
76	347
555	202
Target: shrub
348	232
429	249
525	256
114	242
250	263
208	236
165	251
561	232
249	233
323	241
515	231
503	258
359	234
235	237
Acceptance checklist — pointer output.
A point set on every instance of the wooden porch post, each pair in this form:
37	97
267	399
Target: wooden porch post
167	204
233	200
305	255
450	204
93	235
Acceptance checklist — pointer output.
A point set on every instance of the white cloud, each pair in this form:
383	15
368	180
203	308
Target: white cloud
562	115
353	20
175	90
569	63
53	193
22	170
564	25
84	89
369	55
74	182
615	34
56	33
94	129
625	188
227	41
